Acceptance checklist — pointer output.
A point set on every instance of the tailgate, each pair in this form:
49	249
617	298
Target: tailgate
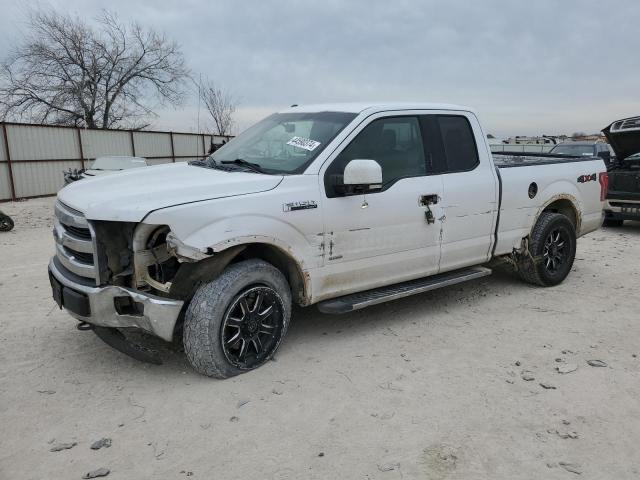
624	184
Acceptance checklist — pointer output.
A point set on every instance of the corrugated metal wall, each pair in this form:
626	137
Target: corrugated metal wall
33	157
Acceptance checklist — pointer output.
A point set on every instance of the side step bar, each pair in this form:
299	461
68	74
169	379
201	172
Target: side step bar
359	300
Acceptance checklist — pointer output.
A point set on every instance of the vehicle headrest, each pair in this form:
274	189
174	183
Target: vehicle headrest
388	140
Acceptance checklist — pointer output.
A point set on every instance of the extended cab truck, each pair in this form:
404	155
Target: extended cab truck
343	206
623	197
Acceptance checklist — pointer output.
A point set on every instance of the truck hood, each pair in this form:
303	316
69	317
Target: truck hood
130	195
624	137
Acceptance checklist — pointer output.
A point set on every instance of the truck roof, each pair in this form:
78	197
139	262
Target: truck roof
374	107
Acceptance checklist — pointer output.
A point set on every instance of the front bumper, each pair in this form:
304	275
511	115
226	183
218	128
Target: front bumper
99	305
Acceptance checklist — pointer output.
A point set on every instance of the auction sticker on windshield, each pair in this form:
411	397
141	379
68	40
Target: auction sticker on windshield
305	143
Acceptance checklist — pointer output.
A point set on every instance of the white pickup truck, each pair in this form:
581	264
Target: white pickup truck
343	206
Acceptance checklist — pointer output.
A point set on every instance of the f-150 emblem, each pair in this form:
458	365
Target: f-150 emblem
587	178
301	205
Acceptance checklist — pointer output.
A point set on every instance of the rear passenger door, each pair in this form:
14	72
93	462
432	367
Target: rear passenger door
470	193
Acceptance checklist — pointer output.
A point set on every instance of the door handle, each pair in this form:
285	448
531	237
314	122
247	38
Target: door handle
426	201
429	199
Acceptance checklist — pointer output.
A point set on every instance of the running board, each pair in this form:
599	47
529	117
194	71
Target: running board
359	300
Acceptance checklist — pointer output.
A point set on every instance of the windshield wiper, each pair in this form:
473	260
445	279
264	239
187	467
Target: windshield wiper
207	163
251	166
199	163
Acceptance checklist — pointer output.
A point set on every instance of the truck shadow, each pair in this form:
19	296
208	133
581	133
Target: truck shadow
309	322
310	325
630	226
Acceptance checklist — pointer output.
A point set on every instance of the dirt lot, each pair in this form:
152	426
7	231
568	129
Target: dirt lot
426	387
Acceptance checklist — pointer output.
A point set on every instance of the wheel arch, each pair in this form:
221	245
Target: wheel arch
191	275
563	204
283	261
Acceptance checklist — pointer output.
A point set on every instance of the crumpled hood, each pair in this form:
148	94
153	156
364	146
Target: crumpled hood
128	196
624	137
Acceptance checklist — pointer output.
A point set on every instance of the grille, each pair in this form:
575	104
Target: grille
80	256
83	233
74	242
628	124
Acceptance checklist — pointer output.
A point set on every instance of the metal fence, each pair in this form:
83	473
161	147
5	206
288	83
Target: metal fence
33	157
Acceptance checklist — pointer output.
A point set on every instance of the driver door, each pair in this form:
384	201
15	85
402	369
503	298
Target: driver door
391	235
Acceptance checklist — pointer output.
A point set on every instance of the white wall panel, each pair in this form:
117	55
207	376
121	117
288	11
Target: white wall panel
27	142
149	144
40	178
3	153
188	145
97	143
5	186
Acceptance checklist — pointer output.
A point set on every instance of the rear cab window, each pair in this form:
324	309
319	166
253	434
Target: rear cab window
459	144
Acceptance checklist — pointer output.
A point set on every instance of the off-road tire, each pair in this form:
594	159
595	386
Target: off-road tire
6	223
533	270
203	325
612	222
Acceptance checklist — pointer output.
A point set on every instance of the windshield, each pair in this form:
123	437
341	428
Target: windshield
575	150
282	142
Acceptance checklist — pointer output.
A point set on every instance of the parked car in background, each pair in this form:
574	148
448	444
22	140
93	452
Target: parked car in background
105	166
343	206
585	149
623	196
6	222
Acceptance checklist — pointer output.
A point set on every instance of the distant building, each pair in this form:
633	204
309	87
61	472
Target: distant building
596	137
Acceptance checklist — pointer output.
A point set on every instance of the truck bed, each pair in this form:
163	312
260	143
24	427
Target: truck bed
517	159
542	179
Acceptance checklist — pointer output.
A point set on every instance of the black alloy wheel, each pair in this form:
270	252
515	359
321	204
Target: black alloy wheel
555	252
552	250
252	327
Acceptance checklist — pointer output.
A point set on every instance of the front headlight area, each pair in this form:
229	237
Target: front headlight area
154	264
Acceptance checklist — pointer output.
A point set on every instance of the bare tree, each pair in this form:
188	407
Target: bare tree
221	106
68	72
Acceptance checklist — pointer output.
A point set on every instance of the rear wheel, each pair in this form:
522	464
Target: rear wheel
552	247
236	322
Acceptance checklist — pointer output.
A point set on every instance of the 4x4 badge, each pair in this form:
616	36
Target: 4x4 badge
587	178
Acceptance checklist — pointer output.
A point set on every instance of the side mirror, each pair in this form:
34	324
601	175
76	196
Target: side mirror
361	176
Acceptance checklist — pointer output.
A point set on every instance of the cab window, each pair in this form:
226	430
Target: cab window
459	145
394	142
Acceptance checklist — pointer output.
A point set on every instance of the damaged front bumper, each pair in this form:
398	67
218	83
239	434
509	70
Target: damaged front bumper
114	306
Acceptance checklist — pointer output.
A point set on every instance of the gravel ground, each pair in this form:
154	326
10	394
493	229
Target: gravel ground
445	385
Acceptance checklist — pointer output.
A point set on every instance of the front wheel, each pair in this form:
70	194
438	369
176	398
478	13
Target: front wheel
236	322
552	247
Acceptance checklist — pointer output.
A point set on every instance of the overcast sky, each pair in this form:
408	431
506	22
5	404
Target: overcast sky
527	67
